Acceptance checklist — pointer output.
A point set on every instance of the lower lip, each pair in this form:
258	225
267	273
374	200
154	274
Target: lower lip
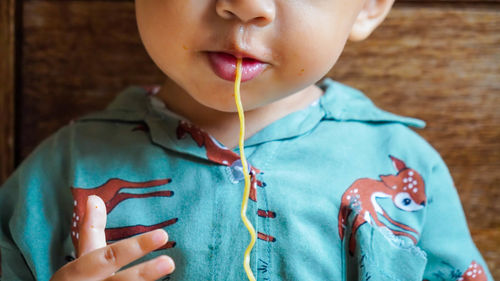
224	66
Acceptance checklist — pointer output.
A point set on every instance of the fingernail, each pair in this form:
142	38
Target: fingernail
159	237
164	265
96	203
92	199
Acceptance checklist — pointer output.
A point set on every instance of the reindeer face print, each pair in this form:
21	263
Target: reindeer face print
410	186
406	189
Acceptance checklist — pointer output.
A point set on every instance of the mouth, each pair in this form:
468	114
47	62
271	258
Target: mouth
224	65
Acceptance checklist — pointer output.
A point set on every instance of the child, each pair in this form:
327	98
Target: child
341	190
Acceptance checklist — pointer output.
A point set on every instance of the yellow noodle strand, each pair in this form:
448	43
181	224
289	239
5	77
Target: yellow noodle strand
246	192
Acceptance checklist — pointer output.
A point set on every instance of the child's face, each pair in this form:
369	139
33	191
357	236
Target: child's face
296	42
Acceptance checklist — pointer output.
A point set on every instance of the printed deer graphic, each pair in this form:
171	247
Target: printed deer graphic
111	195
406	189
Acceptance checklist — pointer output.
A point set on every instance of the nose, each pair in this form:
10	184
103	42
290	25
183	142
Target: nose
257	12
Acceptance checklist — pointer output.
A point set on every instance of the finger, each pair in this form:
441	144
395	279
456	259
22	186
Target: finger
92	235
102	263
150	270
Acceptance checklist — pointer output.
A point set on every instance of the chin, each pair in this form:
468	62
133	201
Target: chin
227	105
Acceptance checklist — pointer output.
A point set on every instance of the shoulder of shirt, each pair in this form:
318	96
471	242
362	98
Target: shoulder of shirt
130	105
343	103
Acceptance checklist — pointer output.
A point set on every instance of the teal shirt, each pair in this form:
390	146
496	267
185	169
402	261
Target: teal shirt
341	190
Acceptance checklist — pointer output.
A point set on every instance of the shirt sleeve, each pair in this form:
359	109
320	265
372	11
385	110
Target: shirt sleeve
32	216
451	253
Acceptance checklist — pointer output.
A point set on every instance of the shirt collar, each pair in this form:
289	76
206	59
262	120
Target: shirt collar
339	103
344	103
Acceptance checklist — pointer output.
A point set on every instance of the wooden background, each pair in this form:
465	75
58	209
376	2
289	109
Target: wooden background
432	59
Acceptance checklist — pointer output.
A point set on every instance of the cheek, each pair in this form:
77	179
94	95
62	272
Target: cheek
151	28
313	48
162	31
312	55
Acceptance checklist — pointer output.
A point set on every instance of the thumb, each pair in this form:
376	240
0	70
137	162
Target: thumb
92	235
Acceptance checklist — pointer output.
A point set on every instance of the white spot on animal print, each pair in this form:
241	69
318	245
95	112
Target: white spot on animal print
77	236
415	182
73	233
410	185
410	173
394	187
74	203
356	190
415	190
348	197
74	214
367	217
405	180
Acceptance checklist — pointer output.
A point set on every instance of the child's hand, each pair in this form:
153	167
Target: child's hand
96	261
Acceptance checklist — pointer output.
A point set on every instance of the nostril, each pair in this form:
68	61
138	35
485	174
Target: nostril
224	10
227	14
261	21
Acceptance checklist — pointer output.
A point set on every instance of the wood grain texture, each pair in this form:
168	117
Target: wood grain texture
439	63
488	242
7	86
76	58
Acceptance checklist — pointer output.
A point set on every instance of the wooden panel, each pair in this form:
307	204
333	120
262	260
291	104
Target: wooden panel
76	58
7	87
488	242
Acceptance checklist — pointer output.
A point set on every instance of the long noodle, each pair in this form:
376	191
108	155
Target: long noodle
246	192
